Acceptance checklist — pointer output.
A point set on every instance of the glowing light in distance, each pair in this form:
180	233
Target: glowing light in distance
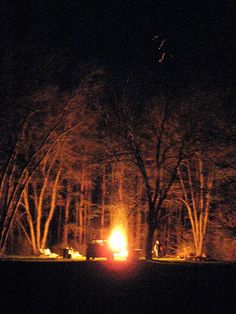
118	243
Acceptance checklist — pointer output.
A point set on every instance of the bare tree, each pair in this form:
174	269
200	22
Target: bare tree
46	123
154	139
197	195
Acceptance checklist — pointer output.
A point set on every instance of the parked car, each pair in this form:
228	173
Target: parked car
99	248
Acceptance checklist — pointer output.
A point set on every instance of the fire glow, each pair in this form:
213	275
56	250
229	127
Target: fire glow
118	243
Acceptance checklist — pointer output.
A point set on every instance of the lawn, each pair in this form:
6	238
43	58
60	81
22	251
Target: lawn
66	286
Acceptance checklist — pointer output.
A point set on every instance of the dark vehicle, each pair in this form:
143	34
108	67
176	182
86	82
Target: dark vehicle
66	253
99	248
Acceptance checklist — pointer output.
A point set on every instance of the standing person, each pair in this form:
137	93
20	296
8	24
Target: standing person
156	249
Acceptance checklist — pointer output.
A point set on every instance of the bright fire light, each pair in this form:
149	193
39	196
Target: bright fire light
118	243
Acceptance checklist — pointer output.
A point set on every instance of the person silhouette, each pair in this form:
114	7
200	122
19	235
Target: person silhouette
156	248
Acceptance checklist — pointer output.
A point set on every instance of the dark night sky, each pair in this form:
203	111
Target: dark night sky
200	34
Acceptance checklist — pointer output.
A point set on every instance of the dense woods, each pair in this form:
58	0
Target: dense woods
76	163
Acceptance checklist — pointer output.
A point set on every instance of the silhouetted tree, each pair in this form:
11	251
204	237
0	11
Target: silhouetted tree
154	138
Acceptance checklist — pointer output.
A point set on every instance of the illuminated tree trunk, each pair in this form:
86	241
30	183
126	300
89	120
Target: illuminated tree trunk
121	211
103	193
59	224
197	202
30	221
82	218
88	204
39	210
179	226
80	225
52	210
85	210
77	220
66	220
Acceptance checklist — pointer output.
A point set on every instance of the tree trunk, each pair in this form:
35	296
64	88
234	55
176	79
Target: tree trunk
82	214
149	241
66	221
151	230
39	212
59	225
139	214
51	212
30	220
103	204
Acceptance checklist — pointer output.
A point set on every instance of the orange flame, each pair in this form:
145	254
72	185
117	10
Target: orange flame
118	242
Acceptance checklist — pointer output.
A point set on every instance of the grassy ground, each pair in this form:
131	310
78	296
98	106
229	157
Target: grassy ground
66	286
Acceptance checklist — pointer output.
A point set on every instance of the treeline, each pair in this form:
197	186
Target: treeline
75	163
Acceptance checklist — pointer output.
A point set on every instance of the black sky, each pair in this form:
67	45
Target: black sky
200	35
